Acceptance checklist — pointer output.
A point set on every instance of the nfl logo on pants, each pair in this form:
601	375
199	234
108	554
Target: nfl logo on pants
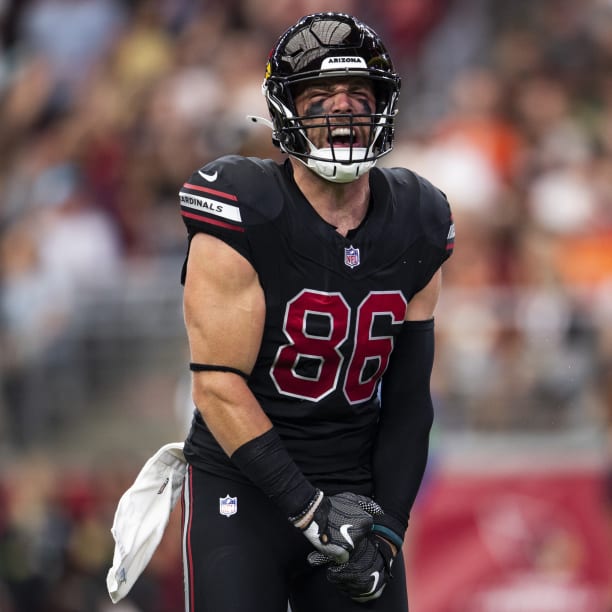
228	505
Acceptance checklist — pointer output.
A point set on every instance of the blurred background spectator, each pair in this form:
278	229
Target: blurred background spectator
106	106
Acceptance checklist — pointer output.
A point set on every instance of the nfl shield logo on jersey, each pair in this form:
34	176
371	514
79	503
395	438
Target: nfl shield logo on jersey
228	505
351	257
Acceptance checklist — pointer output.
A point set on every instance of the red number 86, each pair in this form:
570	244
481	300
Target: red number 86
370	352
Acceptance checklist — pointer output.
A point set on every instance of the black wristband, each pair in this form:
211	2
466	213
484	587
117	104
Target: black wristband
268	465
387	532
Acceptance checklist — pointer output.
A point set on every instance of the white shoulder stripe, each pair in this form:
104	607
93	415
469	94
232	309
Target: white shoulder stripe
210	206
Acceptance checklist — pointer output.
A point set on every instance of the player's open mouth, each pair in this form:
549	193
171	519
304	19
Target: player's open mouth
343	137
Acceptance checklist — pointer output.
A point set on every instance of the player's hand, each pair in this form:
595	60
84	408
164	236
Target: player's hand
367	572
336	524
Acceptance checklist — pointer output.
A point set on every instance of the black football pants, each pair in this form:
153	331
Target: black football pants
251	559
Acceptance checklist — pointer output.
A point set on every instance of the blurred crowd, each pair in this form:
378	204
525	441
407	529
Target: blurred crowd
107	106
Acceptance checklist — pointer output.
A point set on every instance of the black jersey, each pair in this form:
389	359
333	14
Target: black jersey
333	303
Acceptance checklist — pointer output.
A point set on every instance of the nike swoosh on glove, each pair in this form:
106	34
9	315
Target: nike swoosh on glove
366	574
336	524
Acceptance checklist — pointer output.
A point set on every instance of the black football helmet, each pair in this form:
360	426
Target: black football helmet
331	45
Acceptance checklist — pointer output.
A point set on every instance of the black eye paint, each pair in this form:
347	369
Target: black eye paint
367	109
314	109
317	109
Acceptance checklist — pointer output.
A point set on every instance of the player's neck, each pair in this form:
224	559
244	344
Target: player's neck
343	205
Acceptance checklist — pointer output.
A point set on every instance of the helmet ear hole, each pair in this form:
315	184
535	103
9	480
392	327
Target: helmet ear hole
287	140
275	89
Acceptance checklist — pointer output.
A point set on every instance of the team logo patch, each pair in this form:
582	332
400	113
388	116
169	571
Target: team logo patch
228	505
351	257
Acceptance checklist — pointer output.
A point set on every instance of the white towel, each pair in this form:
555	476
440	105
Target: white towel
142	515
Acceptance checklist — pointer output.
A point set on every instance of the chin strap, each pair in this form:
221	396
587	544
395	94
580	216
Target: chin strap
337	171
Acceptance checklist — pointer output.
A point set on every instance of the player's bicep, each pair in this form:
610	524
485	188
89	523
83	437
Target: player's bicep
224	306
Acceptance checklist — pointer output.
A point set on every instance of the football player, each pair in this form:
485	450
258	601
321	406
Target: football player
309	296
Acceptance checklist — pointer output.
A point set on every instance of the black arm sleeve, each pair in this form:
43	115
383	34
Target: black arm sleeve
402	443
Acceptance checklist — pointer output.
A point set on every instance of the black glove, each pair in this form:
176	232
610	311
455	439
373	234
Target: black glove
336	524
367	572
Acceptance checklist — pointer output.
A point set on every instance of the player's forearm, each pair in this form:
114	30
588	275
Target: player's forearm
398	474
240	426
229	409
